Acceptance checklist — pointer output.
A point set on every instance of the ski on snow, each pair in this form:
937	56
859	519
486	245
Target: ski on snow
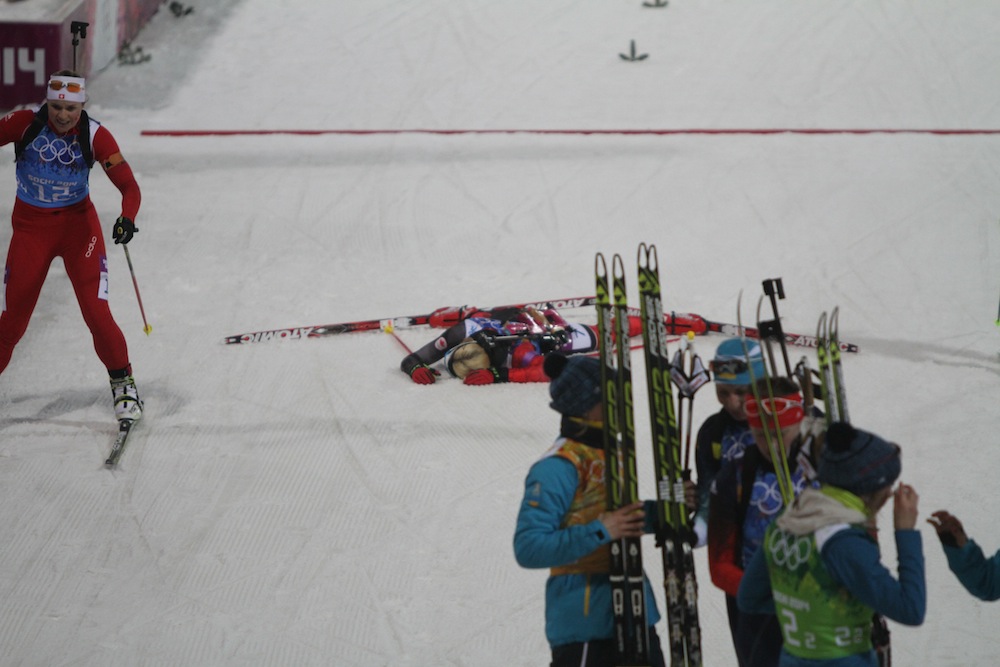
322	330
124	429
676	324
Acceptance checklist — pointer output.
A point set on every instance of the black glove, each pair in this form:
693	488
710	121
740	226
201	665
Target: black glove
123	230
553	340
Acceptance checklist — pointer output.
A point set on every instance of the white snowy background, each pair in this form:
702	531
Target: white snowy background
302	502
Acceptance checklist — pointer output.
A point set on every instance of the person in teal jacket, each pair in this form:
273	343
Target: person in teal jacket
980	575
819	567
563	524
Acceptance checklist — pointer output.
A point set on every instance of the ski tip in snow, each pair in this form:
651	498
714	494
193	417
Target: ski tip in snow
124	428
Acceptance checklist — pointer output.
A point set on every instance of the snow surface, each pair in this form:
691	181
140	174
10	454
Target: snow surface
302	502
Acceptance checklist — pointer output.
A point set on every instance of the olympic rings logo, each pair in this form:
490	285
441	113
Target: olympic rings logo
735	447
57	150
789	551
766	495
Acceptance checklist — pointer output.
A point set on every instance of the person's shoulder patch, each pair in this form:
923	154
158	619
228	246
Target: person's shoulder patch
113	161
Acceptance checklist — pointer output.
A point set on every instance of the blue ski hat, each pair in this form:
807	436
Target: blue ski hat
730	363
576	383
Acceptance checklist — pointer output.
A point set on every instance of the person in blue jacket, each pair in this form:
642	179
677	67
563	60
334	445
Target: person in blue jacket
980	575
564	524
819	567
726	434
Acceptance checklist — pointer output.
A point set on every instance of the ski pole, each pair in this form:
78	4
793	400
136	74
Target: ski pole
391	330
145	325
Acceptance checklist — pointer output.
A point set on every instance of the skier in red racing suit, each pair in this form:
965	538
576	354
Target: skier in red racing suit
53	216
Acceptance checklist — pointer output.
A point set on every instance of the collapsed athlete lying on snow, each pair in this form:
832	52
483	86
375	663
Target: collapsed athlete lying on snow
508	347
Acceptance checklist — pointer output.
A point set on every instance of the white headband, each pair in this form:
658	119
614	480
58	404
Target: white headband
58	89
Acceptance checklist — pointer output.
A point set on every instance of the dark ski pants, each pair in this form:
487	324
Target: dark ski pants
601	653
758	640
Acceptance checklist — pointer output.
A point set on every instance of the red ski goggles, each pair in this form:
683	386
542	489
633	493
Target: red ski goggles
787	410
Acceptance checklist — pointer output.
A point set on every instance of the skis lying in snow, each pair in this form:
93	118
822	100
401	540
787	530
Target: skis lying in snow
676	324
124	428
701	326
321	330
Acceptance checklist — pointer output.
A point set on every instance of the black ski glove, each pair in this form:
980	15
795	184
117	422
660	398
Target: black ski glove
553	340
123	231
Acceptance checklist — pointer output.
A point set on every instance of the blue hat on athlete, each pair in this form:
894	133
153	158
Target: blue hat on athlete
576	383
729	366
858	461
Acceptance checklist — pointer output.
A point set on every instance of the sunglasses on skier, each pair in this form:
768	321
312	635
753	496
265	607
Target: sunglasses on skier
71	86
728	366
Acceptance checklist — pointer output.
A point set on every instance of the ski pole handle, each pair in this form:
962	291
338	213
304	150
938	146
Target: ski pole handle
391	330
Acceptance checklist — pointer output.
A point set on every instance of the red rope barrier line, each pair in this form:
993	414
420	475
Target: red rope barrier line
206	133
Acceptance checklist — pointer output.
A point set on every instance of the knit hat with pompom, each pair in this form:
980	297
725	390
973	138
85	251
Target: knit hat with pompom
858	461
576	383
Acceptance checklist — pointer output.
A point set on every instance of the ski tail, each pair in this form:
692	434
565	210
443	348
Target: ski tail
825	369
839	390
